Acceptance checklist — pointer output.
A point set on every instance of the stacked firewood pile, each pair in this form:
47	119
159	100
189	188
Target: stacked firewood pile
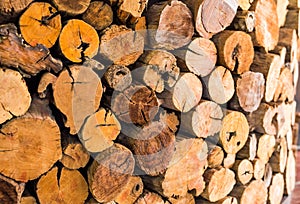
136	101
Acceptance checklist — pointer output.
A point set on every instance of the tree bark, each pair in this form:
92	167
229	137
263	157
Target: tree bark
244	21
288	38
30	60
110	172
36	146
10	10
10	191
78	40
47	79
69	186
235	50
293	20
162	31
285	88
44	20
249	149
279	157
99	15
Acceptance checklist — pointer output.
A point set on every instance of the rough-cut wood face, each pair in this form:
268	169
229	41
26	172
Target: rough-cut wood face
290	173
266	147
99	15
221	85
250	90
234	132
219	183
150	197
68	187
23	149
78	40
259	169
99	130
131	191
118	77
130	9
121	45
266	24
186	150
276	189
279	157
72	8
243	171
215	157
15	98
235	50
40	24
137	104
11	9
173	28
110	172
31	60
77	94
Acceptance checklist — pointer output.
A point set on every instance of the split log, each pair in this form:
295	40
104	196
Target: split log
220	85
69	186
118	77
99	15
259	169
279	157
46	80
131	191
244	21
269	66
189	154
184	95
78	40
290	174
15	98
215	156
249	149
255	192
10	191
162	73
187	199
229	160
150	197
226	200
288	39
44	20
263	120
285	87
36	146
281	6
99	130
198	57
219	183
268	175
141	105
139	24
31	60
212	17
243	171
121	45
276	189
110	172
293	20
75	155
235	50
153	147
245	4
234	132
128	9
77	93
10	10
72	9
204	120
266	31
167	30
250	89
265	147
